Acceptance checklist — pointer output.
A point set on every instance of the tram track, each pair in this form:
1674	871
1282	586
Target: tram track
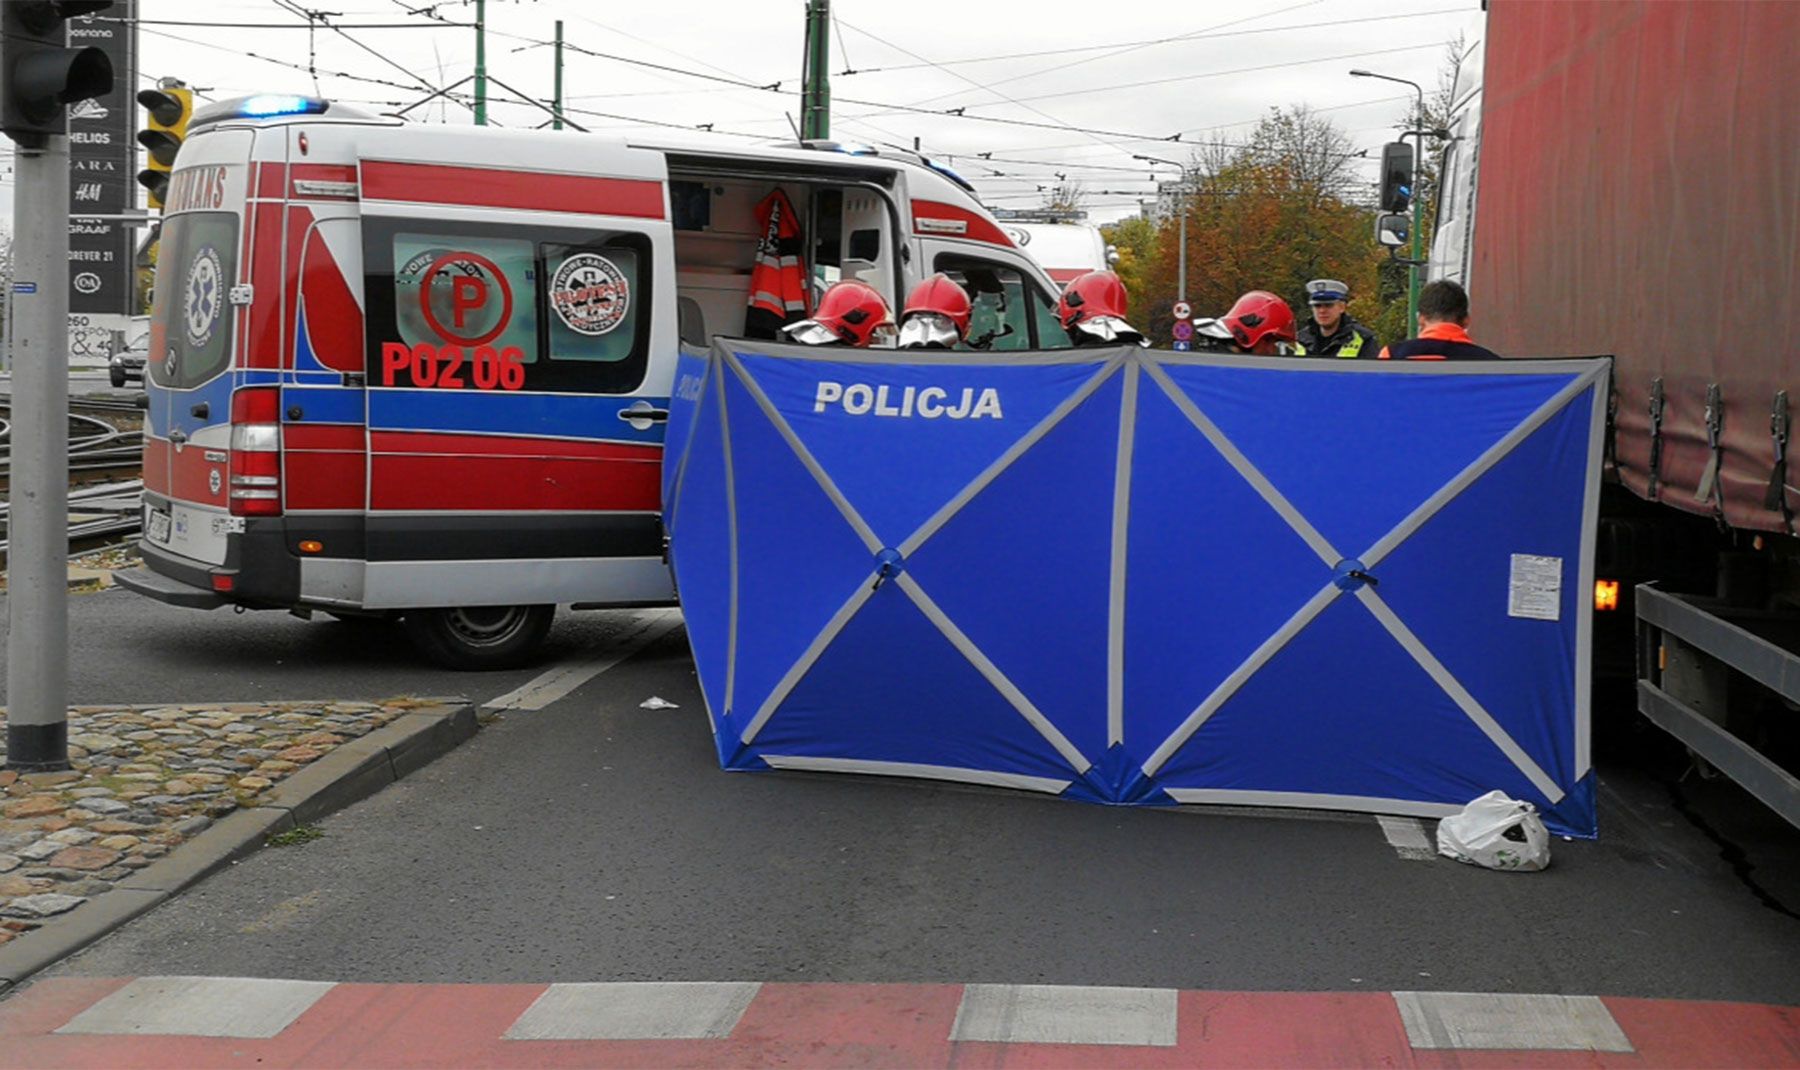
105	470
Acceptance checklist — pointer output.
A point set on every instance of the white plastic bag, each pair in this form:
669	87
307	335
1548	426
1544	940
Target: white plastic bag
1496	832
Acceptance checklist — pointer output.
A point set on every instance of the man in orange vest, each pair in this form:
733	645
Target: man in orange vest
1443	323
778	280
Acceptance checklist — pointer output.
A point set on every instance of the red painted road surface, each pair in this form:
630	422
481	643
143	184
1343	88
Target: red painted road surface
833	1025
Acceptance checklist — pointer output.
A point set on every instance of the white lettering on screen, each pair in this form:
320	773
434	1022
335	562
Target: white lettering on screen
931	402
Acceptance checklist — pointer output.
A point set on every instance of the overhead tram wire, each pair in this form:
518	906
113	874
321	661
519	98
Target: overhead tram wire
959	75
1065	68
1198	36
309	15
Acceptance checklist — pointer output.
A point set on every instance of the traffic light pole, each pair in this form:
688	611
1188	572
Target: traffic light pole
37	642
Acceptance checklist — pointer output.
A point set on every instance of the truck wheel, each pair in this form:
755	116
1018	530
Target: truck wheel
477	638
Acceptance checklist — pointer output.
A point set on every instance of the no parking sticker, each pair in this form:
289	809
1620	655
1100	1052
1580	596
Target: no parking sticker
464	297
590	294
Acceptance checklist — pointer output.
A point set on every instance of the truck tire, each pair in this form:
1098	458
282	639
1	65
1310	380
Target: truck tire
479	638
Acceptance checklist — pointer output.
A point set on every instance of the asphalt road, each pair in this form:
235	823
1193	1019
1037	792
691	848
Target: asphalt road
595	840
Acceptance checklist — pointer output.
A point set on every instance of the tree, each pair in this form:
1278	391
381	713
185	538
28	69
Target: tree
1136	241
1065	196
1268	212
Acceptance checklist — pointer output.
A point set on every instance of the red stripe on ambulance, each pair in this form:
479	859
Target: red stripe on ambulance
495	188
939	220
532	484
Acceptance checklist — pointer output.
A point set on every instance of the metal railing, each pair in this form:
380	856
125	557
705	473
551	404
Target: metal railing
1701	624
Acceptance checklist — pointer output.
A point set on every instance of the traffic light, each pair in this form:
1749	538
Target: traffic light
170	105
39	74
1396	176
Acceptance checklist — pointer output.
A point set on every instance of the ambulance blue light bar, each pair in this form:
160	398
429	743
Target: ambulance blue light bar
268	105
259	106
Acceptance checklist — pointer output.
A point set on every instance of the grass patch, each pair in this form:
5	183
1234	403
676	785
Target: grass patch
295	836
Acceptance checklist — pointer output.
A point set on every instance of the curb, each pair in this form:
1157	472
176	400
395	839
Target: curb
353	771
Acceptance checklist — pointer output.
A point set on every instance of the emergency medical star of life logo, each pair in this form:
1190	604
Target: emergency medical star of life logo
201	298
590	294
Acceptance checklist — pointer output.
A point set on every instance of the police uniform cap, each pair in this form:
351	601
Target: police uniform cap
1326	291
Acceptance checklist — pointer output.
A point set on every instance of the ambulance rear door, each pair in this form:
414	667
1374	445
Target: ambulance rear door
196	328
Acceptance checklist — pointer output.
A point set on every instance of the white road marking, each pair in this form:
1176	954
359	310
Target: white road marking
1516	1022
1406	835
1066	1014
644	1010
560	680
246	1007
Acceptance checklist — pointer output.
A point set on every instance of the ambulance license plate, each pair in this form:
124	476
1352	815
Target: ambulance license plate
156	522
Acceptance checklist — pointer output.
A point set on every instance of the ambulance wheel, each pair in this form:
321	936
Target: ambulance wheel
477	638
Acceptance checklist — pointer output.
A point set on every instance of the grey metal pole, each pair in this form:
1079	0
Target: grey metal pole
37	642
1181	268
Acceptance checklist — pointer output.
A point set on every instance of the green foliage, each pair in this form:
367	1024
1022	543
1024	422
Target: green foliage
1283	205
1136	241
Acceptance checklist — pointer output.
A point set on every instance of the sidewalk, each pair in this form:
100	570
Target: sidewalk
206	1022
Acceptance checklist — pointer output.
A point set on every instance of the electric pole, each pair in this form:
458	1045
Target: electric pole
815	94
556	119
480	62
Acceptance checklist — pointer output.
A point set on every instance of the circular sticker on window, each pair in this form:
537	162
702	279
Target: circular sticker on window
463	297
202	296
590	294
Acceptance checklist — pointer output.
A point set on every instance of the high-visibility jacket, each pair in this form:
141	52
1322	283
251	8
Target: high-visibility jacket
778	279
1440	341
1351	339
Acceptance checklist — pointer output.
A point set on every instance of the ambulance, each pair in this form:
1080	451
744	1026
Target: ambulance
421	373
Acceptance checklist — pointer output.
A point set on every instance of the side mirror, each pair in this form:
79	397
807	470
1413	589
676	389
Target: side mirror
1393	229
1396	176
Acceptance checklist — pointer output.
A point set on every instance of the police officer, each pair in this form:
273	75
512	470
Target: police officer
1332	333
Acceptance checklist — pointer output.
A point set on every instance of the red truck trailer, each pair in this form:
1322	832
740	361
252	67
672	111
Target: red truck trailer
1624	178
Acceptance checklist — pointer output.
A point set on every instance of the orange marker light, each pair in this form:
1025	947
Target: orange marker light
1606	595
311	546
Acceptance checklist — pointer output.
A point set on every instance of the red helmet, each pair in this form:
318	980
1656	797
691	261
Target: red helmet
937	313
849	314
1090	296
1257	317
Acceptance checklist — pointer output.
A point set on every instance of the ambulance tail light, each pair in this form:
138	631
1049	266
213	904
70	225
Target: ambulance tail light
256	451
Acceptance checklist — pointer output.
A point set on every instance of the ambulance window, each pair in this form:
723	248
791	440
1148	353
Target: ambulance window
1050	333
568	308
1002	314
198	266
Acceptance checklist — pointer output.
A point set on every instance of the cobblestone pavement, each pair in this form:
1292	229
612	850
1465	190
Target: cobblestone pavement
146	778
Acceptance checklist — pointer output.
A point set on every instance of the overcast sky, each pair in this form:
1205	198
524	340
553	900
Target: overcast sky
1200	77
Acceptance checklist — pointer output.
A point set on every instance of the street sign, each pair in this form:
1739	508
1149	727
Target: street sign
1182	311
1182	347
1184	330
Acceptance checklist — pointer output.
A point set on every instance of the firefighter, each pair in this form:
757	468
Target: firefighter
1443	328
1259	324
936	315
777	280
850	313
1332	332
1092	310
